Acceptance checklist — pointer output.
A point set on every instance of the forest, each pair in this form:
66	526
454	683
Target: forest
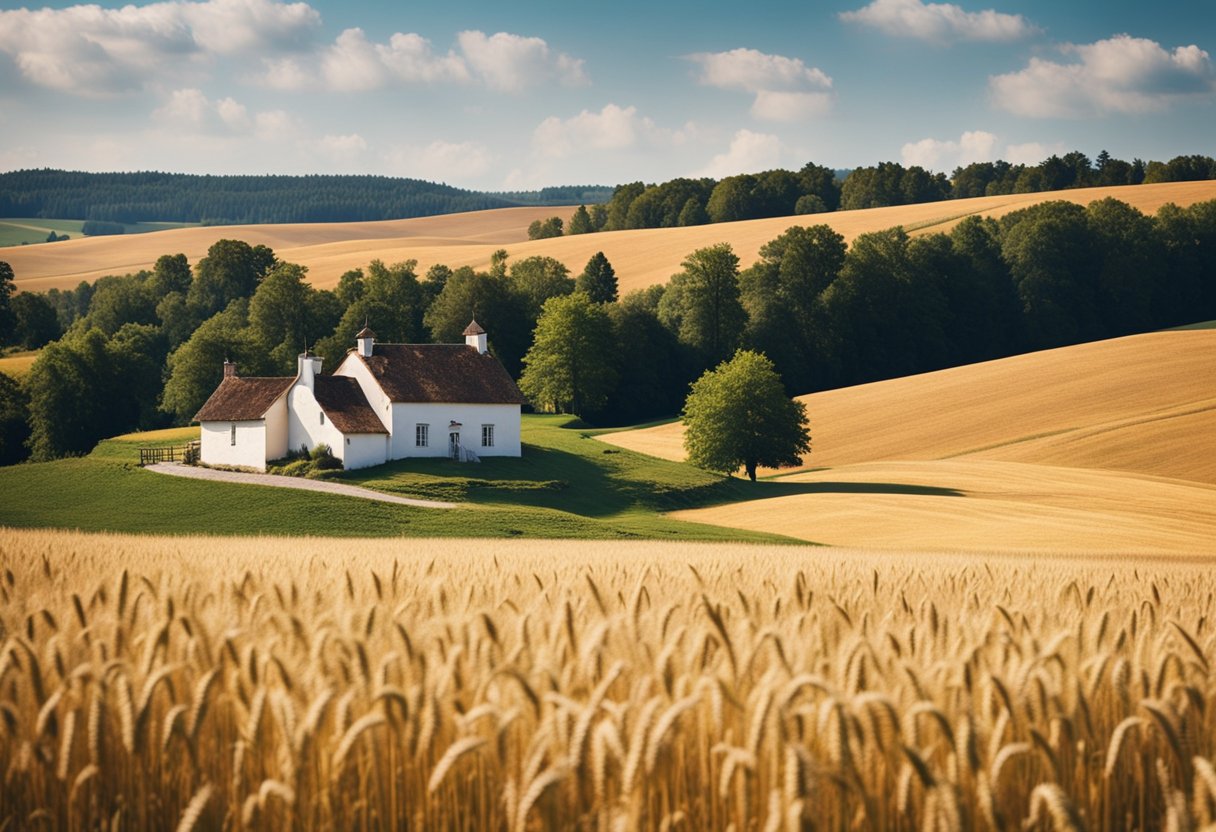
145	350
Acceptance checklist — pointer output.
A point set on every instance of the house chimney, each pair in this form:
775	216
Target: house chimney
475	337
366	341
229	369
309	367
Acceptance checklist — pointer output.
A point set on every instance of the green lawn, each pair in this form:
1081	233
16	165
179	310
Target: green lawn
15	231
566	485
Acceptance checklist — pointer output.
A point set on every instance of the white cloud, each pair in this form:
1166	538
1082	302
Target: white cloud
749	152
345	149
191	110
442	161
1031	153
510	62
355	63
786	89
750	70
776	105
88	50
612	128
935	154
1119	75
939	21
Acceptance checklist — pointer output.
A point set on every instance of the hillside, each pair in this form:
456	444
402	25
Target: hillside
1109	445
641	257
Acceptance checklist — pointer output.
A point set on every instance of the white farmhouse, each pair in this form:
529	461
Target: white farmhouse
383	402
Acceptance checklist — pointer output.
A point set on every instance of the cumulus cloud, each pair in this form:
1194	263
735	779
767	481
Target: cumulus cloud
748	153
192	111
502	61
785	89
1031	153
88	50
1122	74
442	161
939	21
612	128
936	154
510	62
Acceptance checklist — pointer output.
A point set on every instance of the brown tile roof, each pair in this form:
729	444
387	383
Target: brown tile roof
343	401
473	328
441	373
241	399
366	332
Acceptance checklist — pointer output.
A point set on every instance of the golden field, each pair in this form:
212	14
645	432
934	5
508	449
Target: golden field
1107	446
18	364
641	257
154	683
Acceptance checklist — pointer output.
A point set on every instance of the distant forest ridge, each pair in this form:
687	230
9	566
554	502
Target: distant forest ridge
226	200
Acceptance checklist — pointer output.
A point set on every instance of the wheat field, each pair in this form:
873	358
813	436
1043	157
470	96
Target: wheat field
641	257
159	683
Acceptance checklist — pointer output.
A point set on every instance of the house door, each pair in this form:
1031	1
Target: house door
454	445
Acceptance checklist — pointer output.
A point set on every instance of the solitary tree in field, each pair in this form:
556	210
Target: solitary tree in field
738	415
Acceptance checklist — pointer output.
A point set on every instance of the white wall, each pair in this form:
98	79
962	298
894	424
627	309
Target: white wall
504	417
354	367
364	450
304	425
249	450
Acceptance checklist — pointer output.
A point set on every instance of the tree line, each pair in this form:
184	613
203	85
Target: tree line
815	189
216	200
145	350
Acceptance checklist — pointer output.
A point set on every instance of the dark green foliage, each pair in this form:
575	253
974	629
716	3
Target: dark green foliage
693	213
8	322
36	323
170	274
566	369
598	279
544	229
580	222
390	300
86	386
117	301
231	270
101	228
702	304
1129	293
14	421
171	197
890	183
738	415
649	363
196	367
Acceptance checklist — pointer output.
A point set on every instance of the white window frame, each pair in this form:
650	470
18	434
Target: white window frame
487	436
422	435
232	440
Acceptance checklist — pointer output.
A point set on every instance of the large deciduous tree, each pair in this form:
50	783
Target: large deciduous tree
702	303
231	270
565	369
738	415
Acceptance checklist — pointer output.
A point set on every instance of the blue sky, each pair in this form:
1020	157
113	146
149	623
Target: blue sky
520	95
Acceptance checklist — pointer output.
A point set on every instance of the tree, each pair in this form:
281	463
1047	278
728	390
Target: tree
693	213
7	320
580	222
738	415
491	300
538	279
37	323
702	302
197	366
170	274
231	270
391	302
598	279
567	368
14	421
544	229
120	300
279	314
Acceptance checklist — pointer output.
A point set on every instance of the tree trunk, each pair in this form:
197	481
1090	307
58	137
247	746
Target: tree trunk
751	470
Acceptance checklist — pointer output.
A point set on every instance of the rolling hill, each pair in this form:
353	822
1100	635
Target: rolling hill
641	257
1096	447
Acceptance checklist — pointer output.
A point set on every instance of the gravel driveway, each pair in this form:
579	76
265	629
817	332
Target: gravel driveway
177	470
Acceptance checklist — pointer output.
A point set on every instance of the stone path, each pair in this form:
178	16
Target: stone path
178	470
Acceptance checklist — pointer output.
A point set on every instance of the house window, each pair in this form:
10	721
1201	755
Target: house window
232	440
348	440
322	417
422	436
487	436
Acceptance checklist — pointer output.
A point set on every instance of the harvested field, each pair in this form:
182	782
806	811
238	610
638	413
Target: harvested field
1109	446
275	684
641	257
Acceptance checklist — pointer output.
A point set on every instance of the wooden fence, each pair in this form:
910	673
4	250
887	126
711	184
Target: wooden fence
187	453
